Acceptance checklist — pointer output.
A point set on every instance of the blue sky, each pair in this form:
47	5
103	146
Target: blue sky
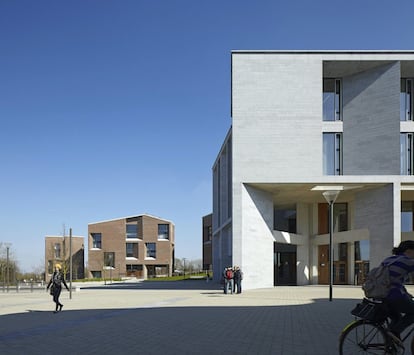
114	108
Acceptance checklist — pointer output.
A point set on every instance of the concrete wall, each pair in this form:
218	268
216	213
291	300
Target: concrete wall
371	124
374	211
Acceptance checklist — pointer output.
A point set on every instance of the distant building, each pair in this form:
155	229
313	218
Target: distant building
141	246
207	242
57	251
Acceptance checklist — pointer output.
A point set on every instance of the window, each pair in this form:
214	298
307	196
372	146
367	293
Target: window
406	100
332	153
96	240
340	215
332	100
407	216
406	153
109	259
132	231
163	231
151	250
57	250
132	250
133	268
285	220
96	274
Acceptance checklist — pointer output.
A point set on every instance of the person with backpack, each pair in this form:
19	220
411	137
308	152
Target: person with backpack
55	285
228	280
400	264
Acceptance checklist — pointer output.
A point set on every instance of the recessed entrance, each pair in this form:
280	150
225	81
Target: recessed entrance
284	264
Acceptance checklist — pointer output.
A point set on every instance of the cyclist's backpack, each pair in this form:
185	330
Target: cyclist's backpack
229	274
377	282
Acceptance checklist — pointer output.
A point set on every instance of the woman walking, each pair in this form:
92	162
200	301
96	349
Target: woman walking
55	284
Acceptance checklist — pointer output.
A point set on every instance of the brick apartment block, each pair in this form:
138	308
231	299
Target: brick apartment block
139	246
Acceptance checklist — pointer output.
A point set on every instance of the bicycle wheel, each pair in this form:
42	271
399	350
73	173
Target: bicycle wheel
362	337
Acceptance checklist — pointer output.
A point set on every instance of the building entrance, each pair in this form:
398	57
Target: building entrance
284	264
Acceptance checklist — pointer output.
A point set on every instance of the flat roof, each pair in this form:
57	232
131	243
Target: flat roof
134	216
326	51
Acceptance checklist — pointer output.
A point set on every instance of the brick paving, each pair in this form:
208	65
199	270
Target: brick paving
189	317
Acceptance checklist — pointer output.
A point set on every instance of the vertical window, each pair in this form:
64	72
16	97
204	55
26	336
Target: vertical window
406	153
96	240
332	110
151	250
407	216
163	231
406	100
109	259
131	231
132	250
284	220
57	249
332	153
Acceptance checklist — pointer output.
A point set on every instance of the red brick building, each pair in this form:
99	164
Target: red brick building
140	246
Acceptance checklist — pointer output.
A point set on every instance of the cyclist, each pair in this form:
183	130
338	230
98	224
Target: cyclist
399	300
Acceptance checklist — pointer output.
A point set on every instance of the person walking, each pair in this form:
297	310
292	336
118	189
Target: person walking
55	285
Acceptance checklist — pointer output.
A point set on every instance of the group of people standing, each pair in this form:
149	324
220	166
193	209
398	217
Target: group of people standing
233	277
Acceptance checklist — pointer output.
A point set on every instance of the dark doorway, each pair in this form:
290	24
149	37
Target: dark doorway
284	264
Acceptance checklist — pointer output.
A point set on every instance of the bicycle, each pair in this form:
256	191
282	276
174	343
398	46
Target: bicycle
369	332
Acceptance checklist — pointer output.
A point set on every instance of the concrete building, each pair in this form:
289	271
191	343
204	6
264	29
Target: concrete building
207	242
57	251
140	246
304	122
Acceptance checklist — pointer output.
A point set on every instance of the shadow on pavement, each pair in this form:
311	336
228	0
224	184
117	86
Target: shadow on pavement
159	285
311	329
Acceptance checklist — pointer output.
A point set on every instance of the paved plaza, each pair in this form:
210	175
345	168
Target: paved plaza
186	317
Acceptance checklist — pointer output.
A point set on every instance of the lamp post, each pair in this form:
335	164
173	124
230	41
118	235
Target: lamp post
330	197
7	264
184	268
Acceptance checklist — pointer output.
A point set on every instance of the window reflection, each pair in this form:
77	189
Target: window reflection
331	99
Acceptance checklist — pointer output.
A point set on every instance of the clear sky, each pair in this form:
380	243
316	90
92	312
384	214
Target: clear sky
114	108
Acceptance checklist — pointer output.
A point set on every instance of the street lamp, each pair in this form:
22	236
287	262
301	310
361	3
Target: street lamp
330	197
184	268
8	245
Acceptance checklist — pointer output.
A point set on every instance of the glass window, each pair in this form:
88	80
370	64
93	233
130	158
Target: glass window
406	155
406	100
285	220
151	250
332	100
332	154
131	231
109	259
57	249
96	240
132	250
407	217
163	231
361	261
340	215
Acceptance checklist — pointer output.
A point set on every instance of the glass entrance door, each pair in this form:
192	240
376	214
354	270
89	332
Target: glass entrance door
284	264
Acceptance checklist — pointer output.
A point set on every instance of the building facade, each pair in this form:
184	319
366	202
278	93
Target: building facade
207	242
58	250
304	122
139	246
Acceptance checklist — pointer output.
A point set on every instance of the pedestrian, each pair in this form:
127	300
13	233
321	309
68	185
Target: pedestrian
238	277
228	279
55	285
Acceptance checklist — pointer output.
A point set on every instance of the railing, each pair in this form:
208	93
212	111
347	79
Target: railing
20	286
